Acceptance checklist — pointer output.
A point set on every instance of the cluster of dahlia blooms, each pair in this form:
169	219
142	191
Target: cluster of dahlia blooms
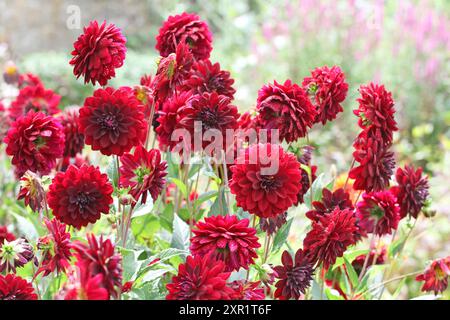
141	226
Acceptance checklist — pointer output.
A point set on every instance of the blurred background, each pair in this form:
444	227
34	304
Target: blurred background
403	44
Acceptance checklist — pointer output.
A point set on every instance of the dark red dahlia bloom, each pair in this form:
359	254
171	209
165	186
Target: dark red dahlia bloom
35	98
376	257
329	89
213	111
208	77
185	28
376	165
285	107
331	235
305	183
200	278
99	257
376	112
330	200
80	195
261	190
32	191
5	235
167	119
56	247
246	290
436	276
29	79
113	121
82	285
143	172
411	191
272	225
378	212
227	239
294	275
13	287
15	254
35	141
98	52
74	142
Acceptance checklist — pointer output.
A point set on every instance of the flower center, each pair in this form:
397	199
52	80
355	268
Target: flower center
269	183
209	118
83	200
377	212
141	173
109	122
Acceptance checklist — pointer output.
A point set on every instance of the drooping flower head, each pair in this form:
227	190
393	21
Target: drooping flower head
329	89
378	212
411	191
98	52
247	290
207	77
35	141
74	142
330	200
56	248
185	28
98	256
265	180
436	276
331	235
80	195
5	235
272	225
200	278
15	254
113	121
35	98
285	107
31	191
227	239
143	172
294	275
13	287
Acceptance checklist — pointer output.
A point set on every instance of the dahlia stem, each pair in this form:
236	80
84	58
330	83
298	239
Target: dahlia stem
150	123
366	260
348	174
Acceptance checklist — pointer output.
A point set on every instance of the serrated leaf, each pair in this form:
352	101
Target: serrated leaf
180	237
281	235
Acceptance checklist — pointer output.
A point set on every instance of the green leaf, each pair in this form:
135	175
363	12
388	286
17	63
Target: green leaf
350	256
130	263
180	237
112	172
282	235
167	217
154	274
205	197
143	209
26	227
351	273
219	206
181	186
317	186
242	214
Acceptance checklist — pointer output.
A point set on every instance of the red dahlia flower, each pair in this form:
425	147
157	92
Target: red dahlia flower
56	248
295	275
5	235
35	141
15	254
378	212
32	191
29	79
376	257
246	290
412	190
99	257
331	235
285	107
82	285
376	112
185	28
200	278
74	142
213	111
272	225
35	98
167	119
80	195
113	121
98	52
143	172
13	287
329	89
436	276
227	239
207	77
266	195
330	200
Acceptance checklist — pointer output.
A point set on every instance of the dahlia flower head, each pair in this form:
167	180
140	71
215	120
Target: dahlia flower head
265	180
13	287
74	139
82	285
411	190
15	254
328	88
287	108
272	225
377	256
5	235
32	191
185	28
36	98
35	141
247	290
331	235
295	275
29	79
80	195
226	238
143	172
98	52
200	278
436	276
113	121
378	212
330	200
